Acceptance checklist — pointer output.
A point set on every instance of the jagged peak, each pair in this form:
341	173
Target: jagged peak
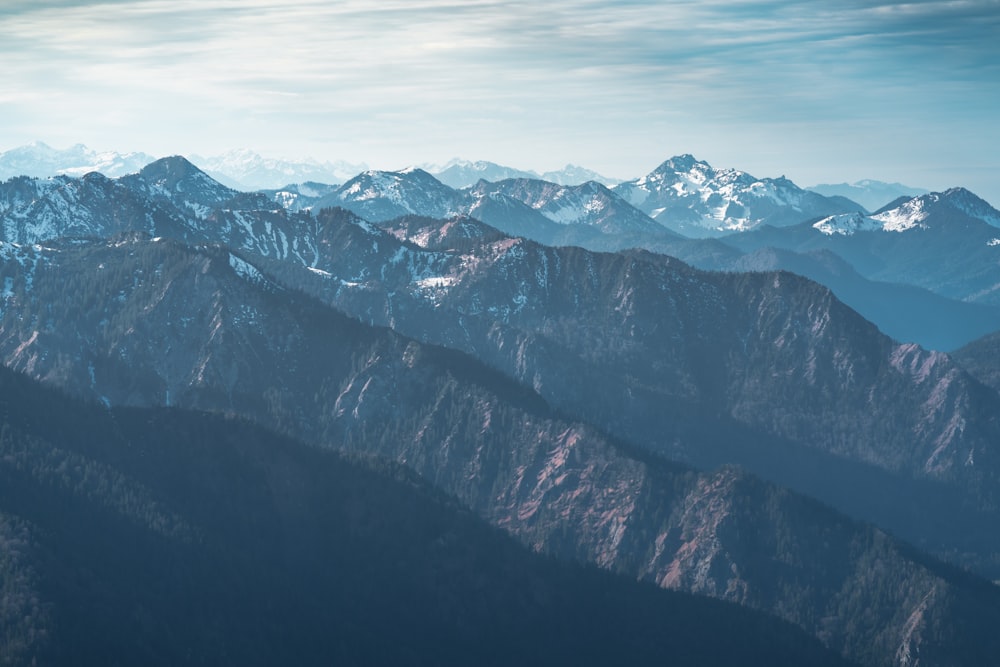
682	164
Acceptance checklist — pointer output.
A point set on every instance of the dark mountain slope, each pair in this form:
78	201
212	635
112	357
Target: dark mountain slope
903	312
166	537
768	370
164	323
946	242
982	359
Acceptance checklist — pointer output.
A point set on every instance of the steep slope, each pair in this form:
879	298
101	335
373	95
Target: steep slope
383	195
690	363
162	323
165	537
946	242
176	180
904	312
982	359
690	197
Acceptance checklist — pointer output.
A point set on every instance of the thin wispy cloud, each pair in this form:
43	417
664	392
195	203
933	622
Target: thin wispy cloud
618	86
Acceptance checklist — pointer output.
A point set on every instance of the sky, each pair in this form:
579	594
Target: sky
818	92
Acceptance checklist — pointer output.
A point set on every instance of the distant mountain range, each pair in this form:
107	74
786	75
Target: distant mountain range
559	393
464	173
245	169
871	194
681	194
41	161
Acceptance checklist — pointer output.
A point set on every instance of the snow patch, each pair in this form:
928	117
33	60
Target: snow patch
246	270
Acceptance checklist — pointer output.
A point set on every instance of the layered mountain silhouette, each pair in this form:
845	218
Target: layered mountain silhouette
946	242
544	387
171	537
204	329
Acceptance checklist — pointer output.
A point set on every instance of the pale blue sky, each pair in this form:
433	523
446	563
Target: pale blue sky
819	92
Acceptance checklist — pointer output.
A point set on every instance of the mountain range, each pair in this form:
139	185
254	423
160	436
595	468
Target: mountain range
591	404
871	194
40	160
905	304
164	537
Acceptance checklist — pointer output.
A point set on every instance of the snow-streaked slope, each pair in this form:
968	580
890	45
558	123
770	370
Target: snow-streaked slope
912	214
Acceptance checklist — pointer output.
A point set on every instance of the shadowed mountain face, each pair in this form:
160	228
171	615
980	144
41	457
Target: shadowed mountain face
948	243
982	359
167	537
162	323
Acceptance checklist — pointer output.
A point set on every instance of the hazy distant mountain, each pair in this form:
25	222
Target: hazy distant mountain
246	170
590	204
946	242
300	196
873	195
590	215
571	174
982	359
39	160
905	312
463	173
692	198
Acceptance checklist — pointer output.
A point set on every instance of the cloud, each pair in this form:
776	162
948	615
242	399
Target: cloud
514	80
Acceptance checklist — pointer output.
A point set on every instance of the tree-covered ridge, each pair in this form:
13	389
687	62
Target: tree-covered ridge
297	555
199	327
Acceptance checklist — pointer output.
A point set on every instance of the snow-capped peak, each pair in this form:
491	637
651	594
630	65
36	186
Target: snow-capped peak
846	224
971	205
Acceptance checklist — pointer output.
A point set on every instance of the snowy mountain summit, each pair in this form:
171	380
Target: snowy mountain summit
691	197
906	214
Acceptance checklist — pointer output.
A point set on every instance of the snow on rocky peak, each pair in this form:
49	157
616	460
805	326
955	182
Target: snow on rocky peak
971	205
689	196
846	224
911	214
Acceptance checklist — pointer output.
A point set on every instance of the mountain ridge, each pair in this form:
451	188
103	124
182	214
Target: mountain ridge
565	489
